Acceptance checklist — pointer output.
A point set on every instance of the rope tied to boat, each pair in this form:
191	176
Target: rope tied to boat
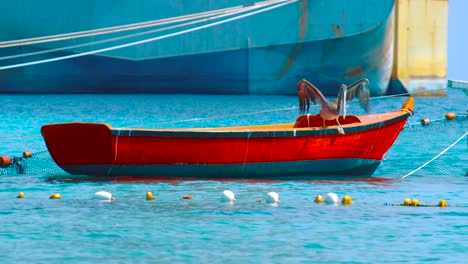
437	156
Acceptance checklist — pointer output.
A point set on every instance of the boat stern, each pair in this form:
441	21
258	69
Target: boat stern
74	144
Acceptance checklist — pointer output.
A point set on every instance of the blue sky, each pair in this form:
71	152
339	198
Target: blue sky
458	40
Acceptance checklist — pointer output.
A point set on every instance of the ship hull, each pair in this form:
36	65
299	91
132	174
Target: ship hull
250	64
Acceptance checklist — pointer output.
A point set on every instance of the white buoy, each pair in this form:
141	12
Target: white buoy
331	198
228	196
272	197
104	196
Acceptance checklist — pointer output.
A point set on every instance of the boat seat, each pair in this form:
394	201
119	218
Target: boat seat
317	121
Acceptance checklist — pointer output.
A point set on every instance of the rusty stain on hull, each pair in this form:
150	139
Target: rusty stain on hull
302	33
337	30
291	60
354	71
374	58
303	19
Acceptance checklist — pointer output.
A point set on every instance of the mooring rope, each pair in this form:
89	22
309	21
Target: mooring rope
206	19
220	116
437	156
134	26
150	39
408	93
23	138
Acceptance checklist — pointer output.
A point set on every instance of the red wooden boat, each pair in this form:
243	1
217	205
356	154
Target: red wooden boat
299	150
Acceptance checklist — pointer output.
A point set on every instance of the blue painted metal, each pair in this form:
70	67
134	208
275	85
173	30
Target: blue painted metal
262	170
328	42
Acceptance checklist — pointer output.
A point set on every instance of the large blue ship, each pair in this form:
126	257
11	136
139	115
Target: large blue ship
264	50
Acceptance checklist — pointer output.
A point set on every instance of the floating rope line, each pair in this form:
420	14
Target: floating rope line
406	94
23	138
220	116
150	39
437	156
22	55
116	29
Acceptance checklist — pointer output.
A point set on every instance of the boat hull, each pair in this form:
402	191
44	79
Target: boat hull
293	170
282	151
328	48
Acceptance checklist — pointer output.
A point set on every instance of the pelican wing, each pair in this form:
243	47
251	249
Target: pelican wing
307	92
358	89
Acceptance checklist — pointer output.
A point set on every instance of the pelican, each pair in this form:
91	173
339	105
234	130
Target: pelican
331	110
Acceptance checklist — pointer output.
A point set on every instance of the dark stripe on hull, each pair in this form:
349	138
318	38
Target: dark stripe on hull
277	170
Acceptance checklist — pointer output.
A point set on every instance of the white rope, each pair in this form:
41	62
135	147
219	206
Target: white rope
148	40
129	36
23	138
402	94
97	32
437	156
221	116
116	29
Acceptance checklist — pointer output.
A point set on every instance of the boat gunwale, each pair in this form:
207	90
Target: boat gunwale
273	130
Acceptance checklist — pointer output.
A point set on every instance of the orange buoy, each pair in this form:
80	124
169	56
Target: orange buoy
27	154
187	197
5	161
450	115
425	121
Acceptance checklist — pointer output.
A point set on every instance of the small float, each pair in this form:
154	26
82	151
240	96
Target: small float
351	146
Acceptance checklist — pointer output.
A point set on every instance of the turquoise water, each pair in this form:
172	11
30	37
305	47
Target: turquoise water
78	228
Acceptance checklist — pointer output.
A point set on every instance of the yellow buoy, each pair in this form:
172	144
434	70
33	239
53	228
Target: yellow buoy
55	196
187	197
149	196
318	199
414	202
347	200
407	202
20	195
450	116
443	203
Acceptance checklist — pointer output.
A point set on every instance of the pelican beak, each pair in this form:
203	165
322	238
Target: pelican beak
344	103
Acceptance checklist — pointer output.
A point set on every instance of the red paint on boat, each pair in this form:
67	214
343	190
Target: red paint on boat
134	150
84	144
